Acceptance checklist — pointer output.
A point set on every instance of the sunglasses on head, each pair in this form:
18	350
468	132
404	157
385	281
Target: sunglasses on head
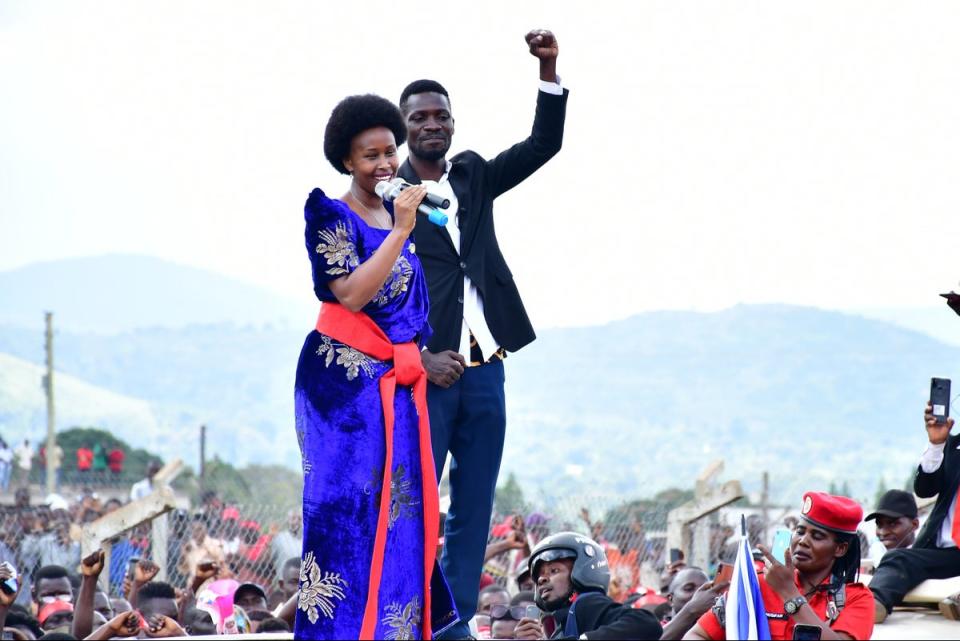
514	612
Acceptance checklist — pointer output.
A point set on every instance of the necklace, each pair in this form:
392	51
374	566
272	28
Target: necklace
373	215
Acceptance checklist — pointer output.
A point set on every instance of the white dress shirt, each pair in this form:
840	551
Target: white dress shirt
930	463
473	316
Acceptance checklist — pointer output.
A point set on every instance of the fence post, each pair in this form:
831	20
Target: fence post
160	548
708	498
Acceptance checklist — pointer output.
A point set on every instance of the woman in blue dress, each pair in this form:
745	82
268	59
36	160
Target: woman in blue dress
370	505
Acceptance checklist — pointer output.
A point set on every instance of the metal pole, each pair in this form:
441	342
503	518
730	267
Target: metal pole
51	423
203	454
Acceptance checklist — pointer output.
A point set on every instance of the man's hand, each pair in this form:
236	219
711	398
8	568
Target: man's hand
543	44
936	432
704	598
125	624
92	565
160	626
516	540
145	571
207	570
780	576
443	369
8	572
528	629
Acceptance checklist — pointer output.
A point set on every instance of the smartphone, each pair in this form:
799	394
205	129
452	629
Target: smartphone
804	632
675	555
10	586
781	543
940	398
533	612
132	566
724	573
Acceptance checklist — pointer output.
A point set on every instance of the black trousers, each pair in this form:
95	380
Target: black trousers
902	570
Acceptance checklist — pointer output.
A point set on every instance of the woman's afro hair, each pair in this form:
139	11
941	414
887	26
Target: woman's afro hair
353	115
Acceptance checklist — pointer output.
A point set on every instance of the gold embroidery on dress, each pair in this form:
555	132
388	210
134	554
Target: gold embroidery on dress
353	360
317	594
402	620
338	249
396	282
402	501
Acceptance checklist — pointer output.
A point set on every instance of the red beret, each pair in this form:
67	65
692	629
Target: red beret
836	513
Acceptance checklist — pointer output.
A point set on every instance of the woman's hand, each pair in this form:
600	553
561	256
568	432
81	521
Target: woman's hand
781	576
405	208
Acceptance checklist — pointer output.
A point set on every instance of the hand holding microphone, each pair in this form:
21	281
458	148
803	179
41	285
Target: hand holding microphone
390	191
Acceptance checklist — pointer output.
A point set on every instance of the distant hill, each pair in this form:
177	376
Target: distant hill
627	408
115	293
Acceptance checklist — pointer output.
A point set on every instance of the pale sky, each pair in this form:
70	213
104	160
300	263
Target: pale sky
715	153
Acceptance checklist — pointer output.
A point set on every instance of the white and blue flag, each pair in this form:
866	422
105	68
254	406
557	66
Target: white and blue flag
745	617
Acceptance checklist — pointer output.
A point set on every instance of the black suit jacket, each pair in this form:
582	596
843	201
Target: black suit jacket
943	483
477	182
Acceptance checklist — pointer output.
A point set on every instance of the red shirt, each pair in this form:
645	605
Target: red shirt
115	460
84	458
856	617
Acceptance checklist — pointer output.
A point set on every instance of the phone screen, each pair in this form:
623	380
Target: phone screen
675	555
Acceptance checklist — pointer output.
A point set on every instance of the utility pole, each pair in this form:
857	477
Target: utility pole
764	504
203	454
51	423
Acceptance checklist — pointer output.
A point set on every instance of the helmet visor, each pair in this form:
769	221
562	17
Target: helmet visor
554	554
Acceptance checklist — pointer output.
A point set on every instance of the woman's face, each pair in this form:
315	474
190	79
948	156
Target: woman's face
373	158
814	549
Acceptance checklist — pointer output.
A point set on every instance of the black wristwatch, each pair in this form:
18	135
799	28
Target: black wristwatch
793	606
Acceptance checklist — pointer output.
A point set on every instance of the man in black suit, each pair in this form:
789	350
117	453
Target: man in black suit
475	308
935	554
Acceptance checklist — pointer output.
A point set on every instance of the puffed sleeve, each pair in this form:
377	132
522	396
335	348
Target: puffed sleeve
333	243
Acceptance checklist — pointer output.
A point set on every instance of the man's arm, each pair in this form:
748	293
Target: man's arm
90	569
513	166
930	473
686	619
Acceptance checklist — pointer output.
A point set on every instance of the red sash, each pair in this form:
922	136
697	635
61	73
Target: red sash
357	330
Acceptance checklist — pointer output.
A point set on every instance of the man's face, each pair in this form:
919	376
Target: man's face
290	582
101	604
683	587
295	522
553	582
814	549
166	607
490	599
50	590
896	532
250	600
429	125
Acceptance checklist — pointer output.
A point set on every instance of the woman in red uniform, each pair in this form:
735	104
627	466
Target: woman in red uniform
817	582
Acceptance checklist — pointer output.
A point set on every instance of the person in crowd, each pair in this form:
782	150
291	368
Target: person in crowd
287	584
287	543
51	583
489	597
817	582
24	623
201	548
897	523
365	443
476	310
273	625
143	488
24	454
90	568
84	461
197	622
504	618
688	604
157	598
935	553
99	469
115	459
52	548
572	578
6	465
55	617
523	580
250	597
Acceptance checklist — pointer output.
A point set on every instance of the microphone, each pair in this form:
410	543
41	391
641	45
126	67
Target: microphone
390	190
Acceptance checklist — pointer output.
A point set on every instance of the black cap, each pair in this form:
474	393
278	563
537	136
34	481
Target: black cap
249	587
895	503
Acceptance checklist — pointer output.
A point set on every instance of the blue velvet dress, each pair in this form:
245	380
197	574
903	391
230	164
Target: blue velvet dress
340	426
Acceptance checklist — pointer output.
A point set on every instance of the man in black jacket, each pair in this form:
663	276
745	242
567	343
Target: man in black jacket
572	578
475	308
935	554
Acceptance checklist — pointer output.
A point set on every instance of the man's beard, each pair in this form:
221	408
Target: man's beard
431	154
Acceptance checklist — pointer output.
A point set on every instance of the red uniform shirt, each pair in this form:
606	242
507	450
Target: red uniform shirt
856	617
84	458
115	460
